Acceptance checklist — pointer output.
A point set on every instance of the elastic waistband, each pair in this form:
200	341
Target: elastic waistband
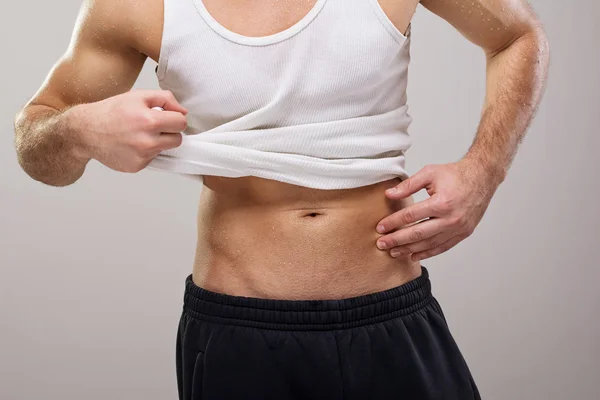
221	308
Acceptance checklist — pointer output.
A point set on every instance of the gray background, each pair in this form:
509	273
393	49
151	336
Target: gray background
91	276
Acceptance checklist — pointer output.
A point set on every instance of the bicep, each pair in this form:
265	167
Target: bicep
490	24
99	62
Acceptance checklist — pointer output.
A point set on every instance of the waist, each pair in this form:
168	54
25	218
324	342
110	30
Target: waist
268	239
311	315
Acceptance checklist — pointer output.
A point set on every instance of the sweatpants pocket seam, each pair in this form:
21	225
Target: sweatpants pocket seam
437	308
198	377
186	323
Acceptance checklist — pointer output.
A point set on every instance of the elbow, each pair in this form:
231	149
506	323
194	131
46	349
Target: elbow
30	152
539	46
22	146
37	171
33	170
528	38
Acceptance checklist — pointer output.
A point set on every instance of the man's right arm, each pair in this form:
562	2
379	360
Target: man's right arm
85	109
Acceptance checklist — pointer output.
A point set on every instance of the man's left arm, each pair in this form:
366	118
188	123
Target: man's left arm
517	54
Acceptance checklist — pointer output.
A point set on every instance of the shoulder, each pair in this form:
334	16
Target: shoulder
123	23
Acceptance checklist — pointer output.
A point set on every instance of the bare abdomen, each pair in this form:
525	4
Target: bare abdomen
268	239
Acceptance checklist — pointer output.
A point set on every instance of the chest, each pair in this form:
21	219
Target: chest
253	18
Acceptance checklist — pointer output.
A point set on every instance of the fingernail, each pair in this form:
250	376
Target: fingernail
395	253
381	245
380	228
391	191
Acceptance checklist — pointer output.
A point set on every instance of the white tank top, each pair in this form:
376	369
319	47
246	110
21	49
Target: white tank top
321	104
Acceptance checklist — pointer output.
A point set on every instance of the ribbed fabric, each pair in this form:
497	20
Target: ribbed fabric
309	314
390	344
321	104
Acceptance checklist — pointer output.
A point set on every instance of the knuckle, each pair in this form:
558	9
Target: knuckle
432	243
123	168
446	247
144	145
434	252
443	204
140	164
468	232
417	235
408	216
151	122
406	184
168	94
428	168
145	119
393	241
403	249
460	220
132	168
409	185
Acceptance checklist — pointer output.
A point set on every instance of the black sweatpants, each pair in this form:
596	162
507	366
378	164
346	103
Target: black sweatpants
393	344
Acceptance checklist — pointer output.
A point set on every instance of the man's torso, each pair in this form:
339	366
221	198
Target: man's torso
264	238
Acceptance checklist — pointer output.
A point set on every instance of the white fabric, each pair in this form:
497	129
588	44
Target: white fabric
321	104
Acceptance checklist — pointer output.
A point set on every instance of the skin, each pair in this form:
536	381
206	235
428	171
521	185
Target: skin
517	55
264	238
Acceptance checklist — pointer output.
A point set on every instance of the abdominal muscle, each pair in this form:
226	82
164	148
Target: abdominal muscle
269	239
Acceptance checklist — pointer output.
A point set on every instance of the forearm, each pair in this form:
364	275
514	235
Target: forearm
516	79
46	146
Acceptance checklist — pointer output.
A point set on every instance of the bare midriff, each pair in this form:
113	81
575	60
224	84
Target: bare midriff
269	239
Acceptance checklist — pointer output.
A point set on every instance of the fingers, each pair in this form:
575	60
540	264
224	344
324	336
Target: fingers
442	248
161	131
168	121
416	233
423	245
164	99
412	185
168	141
409	215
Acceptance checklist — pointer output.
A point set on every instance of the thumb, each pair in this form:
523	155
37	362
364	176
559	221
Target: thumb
412	184
163	99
